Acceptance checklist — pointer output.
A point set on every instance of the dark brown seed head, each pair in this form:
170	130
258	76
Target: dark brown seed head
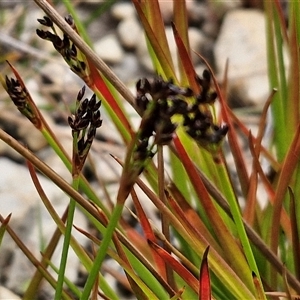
92	102
81	94
42	34
46	21
69	19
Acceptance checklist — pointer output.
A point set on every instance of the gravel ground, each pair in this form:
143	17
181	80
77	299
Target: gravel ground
218	30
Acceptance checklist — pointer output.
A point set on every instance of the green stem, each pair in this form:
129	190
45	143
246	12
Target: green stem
83	183
93	274
66	244
237	217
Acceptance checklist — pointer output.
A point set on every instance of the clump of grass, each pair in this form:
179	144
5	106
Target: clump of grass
222	251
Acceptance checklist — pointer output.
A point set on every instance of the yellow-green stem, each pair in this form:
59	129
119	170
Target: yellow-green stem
66	244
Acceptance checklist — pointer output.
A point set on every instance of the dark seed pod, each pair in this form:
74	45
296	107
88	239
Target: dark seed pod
95	116
66	41
82	109
97	106
98	123
188	92
76	69
81	94
143	86
73	51
42	34
92	102
57	42
206	75
82	124
46	21
71	122
91	134
81	145
69	19
82	65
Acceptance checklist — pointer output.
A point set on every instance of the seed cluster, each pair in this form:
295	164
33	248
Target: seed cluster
198	122
160	100
22	99
64	46
84	123
17	93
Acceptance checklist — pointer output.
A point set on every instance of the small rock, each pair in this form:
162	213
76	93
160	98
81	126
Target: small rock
30	23
242	40
122	11
31	136
109	49
31	222
197	40
129	69
130	33
6	294
57	78
64	136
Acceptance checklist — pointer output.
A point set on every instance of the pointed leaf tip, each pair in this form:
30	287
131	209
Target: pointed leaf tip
204	280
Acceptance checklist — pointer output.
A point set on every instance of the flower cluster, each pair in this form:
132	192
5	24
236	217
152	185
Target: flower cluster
157	102
65	47
199	122
160	100
22	100
84	122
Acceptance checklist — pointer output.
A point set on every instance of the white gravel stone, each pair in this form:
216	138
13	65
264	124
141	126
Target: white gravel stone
123	10
30	23
242	41
129	69
31	221
6	294
109	49
129	32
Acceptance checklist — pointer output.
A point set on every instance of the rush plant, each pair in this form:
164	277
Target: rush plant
208	245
